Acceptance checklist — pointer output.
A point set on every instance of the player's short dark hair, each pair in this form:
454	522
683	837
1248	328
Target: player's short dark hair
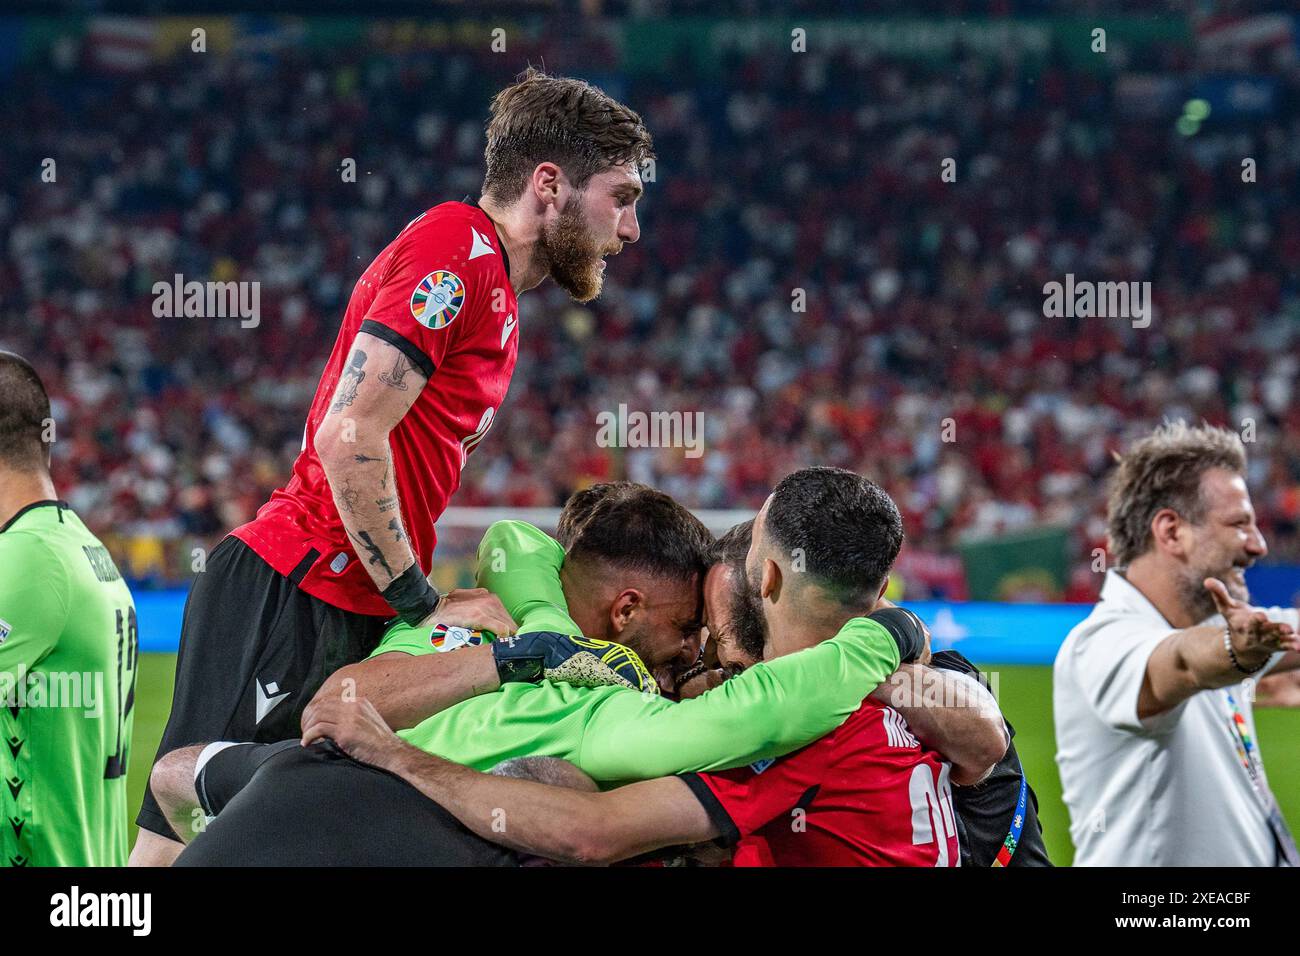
578	507
847	530
733	547
556	119
644	530
24	410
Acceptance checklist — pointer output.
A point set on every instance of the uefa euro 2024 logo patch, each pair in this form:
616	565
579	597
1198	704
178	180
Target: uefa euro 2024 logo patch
437	299
447	638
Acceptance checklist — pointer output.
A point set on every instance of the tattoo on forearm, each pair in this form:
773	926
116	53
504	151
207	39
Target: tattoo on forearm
386	504
376	555
347	497
362	459
395	526
353	375
396	376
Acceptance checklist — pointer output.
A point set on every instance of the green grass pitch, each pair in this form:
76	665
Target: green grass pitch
1026	697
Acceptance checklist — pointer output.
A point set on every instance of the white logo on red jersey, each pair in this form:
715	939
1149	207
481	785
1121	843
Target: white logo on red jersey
506	329
470	442
480	246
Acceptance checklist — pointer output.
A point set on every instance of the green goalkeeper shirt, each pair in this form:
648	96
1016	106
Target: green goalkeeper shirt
616	734
68	649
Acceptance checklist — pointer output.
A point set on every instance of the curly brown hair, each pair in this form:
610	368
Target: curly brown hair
569	122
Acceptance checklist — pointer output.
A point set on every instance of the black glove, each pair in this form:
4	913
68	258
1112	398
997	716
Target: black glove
905	628
549	655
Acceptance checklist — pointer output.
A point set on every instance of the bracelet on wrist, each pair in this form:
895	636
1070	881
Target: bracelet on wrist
1232	655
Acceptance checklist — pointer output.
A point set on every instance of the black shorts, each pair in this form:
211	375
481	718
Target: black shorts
286	805
254	651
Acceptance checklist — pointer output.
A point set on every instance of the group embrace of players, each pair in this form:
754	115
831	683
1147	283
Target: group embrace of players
630	689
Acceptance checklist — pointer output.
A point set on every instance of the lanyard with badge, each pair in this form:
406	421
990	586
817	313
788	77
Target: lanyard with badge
1008	848
1248	754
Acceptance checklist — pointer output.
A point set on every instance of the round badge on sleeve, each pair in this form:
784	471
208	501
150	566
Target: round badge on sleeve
437	299
445	637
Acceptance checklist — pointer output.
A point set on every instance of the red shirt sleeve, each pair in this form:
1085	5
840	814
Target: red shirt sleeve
744	800
428	291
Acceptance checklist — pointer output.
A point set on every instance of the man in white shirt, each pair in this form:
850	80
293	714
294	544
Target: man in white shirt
1153	690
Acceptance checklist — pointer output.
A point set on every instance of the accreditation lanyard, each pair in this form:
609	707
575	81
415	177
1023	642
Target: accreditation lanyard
1246	751
1009	845
1248	754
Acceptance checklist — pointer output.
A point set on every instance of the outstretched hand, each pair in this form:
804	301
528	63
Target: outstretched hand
1253	633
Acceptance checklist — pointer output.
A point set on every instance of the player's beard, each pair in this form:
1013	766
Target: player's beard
571	254
635	639
1197	601
747	615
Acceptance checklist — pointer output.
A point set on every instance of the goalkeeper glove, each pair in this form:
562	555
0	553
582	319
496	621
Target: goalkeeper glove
549	655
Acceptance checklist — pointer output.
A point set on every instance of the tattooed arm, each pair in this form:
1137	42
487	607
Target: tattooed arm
377	388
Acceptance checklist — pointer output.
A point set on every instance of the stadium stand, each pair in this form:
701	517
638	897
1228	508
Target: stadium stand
922	300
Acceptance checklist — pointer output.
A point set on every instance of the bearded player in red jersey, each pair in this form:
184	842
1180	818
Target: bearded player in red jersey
421	365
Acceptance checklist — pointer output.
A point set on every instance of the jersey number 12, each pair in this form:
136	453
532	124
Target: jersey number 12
128	654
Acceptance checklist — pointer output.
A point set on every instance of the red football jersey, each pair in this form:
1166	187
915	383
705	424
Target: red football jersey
441	293
866	794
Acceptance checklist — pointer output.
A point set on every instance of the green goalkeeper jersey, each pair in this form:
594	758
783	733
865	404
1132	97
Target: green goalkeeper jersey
68	649
616	734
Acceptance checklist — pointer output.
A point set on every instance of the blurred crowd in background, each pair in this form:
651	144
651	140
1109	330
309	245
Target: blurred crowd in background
805	279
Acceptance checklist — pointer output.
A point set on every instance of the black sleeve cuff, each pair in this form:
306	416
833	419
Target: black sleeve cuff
400	342
228	771
730	833
906	630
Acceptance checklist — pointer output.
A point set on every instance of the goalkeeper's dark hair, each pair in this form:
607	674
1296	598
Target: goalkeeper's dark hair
578	508
842	530
641	529
24	412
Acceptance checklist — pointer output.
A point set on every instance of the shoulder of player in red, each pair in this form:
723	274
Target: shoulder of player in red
440	294
866	794
446	270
